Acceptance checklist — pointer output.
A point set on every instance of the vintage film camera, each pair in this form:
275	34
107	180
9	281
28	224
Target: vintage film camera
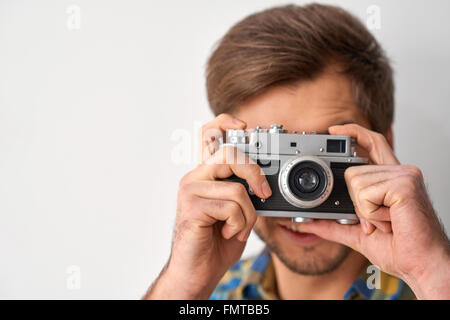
304	171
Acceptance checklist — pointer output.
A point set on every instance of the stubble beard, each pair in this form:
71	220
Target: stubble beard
312	264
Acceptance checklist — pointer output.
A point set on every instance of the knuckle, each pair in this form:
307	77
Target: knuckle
363	193
231	207
364	214
350	172
235	215
379	137
189	204
255	171
234	208
414	171
356	183
183	191
223	117
236	222
255	167
184	181
238	190
365	207
408	184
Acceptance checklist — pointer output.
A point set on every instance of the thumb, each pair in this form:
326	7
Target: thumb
348	235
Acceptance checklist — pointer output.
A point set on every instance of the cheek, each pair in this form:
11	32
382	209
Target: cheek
261	224
329	248
265	226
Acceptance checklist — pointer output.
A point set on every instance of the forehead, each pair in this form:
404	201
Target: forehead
308	105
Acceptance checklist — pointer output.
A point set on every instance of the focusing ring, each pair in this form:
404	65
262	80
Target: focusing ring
292	196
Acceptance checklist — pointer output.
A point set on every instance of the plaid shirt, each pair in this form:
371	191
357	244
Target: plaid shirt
254	278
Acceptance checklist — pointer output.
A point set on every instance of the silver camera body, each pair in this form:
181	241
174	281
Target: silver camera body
305	172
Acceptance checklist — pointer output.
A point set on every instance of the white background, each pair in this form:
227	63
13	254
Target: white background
87	118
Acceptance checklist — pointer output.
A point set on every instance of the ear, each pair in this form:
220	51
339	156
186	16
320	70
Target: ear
390	137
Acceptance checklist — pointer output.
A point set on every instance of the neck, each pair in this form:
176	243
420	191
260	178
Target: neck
331	286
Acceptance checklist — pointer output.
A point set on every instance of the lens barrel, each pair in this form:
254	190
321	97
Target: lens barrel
306	182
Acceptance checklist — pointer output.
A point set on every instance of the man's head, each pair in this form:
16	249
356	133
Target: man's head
307	68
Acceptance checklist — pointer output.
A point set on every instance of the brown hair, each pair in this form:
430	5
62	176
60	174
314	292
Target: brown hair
284	45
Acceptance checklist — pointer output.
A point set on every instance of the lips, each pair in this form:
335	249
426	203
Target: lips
293	232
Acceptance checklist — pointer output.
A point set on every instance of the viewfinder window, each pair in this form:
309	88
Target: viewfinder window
336	146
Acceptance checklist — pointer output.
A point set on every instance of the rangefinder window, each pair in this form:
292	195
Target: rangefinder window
337	146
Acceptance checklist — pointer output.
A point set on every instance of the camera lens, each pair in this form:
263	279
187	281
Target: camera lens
308	180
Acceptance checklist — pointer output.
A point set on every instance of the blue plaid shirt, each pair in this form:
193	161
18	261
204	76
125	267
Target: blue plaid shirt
254	279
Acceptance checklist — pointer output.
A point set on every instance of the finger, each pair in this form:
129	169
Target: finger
369	227
369	245
354	171
370	202
211	140
366	226
231	191
362	191
384	226
349	235
371	210
228	211
359	177
209	211
374	200
214	130
375	143
229	161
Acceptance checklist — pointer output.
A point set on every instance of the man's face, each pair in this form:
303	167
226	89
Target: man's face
308	106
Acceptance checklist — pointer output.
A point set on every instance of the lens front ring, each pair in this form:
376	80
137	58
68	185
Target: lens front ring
309	200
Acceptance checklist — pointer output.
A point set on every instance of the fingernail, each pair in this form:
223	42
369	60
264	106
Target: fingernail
266	189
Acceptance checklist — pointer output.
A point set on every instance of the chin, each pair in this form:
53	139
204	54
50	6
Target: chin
303	253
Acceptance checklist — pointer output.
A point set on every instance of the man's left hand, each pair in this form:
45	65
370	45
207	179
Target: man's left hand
399	231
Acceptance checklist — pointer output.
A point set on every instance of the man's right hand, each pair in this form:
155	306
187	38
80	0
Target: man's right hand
214	220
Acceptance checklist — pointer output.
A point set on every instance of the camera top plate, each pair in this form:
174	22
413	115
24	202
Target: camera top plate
277	141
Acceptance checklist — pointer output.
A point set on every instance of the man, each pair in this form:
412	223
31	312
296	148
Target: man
311	68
